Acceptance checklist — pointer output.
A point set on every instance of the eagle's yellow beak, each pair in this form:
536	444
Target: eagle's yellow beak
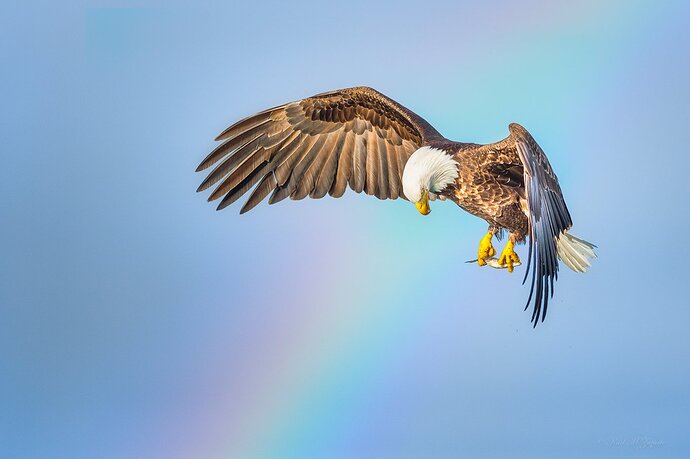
423	204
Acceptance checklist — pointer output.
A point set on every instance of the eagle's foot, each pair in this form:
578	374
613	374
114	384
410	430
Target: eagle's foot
509	257
486	250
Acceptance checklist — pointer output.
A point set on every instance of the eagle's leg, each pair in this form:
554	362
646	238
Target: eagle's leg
486	250
508	256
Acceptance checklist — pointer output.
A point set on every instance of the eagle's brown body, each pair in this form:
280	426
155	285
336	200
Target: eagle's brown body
490	184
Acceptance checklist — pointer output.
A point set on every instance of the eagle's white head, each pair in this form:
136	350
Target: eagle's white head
429	170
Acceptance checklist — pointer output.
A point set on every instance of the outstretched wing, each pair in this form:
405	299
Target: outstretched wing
548	218
318	145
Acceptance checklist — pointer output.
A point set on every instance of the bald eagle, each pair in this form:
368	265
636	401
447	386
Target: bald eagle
360	138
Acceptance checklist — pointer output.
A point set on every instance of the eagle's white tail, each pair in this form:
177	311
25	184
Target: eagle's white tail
574	252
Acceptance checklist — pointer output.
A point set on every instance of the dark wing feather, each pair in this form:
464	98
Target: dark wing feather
264	187
507	174
316	146
344	166
548	217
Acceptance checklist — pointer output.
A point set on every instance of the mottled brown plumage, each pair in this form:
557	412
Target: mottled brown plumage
490	184
358	137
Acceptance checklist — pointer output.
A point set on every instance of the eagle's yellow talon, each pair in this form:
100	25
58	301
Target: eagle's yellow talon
509	257
486	250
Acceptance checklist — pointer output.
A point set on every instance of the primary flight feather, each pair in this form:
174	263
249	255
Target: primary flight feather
360	138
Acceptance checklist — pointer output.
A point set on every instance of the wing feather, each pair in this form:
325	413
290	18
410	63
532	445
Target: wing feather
248	123
286	149
329	163
251	155
299	181
230	163
548	218
384	180
279	193
231	144
265	186
359	164
395	175
371	184
284	170
344	166
242	187
242	172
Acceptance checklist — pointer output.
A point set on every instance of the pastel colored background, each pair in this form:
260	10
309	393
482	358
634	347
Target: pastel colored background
137	322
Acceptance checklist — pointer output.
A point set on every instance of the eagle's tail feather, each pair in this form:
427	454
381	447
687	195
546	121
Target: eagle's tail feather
575	252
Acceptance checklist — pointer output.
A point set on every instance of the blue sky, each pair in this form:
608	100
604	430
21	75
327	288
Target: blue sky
140	323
